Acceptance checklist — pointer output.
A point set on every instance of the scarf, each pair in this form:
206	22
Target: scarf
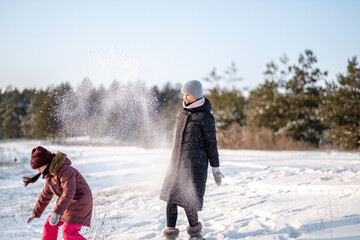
46	171
197	103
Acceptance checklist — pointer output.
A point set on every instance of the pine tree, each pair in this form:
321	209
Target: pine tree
1	117
26	128
39	121
288	101
265	107
167	102
303	98
228	105
340	108
11	111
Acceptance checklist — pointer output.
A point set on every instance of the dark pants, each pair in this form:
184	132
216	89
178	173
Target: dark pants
172	212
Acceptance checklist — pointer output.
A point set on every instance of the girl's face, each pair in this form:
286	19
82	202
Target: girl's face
41	169
188	98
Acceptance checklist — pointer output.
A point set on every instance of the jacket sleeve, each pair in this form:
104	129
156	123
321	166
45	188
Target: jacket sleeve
210	139
44	199
68	185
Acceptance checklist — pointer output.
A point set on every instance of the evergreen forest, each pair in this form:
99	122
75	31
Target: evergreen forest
295	107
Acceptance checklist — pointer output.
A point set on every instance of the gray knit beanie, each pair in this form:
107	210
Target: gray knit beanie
194	88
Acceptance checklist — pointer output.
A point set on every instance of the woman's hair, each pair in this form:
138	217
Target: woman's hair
32	179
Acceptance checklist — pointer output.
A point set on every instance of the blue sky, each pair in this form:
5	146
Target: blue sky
44	43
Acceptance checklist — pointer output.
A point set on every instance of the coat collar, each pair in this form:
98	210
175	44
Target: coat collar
57	163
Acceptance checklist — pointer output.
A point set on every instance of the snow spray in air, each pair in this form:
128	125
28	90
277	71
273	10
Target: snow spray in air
125	113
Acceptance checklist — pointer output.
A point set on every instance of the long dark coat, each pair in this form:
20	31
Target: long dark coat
194	148
75	201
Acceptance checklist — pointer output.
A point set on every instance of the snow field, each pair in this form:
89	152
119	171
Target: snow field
264	195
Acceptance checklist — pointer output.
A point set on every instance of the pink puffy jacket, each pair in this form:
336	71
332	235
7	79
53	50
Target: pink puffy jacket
75	201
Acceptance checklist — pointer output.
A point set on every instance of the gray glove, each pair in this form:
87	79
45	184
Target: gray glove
54	219
217	175
32	216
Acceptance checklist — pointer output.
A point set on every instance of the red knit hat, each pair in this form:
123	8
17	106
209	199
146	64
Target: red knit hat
40	157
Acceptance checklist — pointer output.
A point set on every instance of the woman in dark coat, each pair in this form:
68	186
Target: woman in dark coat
194	148
73	207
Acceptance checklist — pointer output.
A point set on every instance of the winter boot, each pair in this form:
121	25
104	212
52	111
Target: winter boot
171	233
195	232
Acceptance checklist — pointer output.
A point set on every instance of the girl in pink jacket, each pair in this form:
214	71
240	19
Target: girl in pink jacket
73	207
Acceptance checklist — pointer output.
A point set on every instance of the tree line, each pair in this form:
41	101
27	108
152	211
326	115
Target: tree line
295	102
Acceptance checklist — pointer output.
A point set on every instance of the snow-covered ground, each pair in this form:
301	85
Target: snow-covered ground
265	194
